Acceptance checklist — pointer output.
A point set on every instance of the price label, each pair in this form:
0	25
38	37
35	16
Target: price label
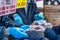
21	3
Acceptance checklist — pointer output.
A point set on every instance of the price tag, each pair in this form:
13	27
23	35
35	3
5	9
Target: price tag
21	3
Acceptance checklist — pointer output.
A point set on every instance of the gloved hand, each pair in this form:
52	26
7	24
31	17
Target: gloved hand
25	27
17	19
17	32
38	17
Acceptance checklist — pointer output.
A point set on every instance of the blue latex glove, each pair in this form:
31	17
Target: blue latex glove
38	17
25	27
17	32
17	19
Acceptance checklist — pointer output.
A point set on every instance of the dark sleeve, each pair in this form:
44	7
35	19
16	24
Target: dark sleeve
59	37
56	29
34	35
50	34
11	16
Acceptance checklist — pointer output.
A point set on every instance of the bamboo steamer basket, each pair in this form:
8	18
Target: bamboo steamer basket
52	14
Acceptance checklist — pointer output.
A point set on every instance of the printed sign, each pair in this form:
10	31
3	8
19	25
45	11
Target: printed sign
7	7
21	3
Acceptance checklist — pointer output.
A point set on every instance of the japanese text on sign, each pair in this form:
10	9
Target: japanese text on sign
21	3
7	7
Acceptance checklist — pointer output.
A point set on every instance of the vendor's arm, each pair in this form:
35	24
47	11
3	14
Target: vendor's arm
56	29
50	34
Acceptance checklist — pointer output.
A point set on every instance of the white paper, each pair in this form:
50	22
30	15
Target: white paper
0	3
